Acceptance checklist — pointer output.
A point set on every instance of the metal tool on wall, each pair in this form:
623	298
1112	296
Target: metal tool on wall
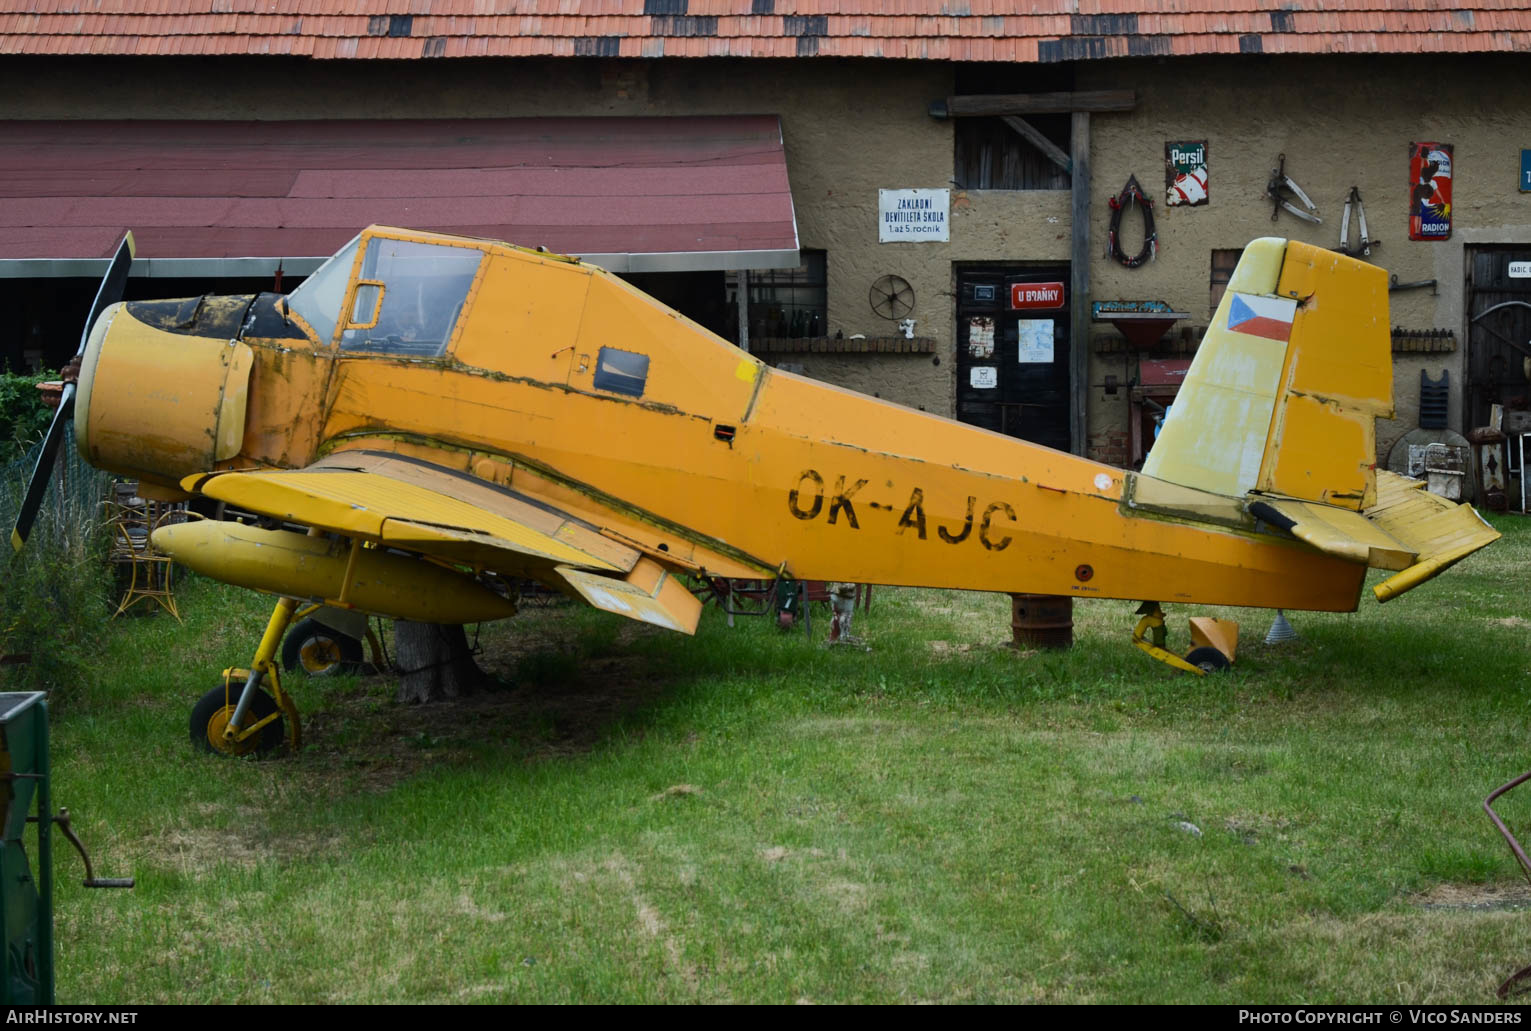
1364	248
1282	189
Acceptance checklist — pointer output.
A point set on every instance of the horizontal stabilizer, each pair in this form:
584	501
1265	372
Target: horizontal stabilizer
1335	531
649	593
1440	532
1408	530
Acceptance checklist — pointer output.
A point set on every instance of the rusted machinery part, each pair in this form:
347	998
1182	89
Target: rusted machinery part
1488	807
1519	982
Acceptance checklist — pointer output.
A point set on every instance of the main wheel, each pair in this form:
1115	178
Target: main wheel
315	649
1208	659
210	715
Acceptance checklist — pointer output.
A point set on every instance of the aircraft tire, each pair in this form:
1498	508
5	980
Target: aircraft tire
312	648
210	715
1208	659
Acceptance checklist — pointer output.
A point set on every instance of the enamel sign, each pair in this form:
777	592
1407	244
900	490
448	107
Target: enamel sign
913	216
1430	191
1185	173
1036	296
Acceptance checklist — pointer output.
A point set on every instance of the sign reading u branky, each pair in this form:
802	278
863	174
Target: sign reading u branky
912	216
1036	296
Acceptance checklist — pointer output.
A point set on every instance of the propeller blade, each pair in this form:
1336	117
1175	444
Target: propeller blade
110	290
42	473
108	293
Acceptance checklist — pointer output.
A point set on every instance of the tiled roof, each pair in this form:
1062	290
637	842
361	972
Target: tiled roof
948	30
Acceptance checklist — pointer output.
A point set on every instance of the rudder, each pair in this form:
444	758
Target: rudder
1284	392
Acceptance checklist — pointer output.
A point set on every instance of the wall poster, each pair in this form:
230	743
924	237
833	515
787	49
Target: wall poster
1185	173
981	336
1035	340
1430	191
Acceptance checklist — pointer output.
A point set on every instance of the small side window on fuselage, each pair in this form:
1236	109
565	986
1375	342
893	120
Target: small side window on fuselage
424	288
621	372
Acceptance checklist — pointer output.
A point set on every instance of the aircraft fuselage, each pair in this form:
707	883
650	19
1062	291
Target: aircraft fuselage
563	383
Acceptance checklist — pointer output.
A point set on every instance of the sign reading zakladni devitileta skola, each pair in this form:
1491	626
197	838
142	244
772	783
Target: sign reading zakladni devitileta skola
910	216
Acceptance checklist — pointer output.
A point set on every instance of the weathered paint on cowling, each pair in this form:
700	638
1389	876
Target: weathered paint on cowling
171	403
833	484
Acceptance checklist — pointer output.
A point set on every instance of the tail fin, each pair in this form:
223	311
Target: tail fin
1285	390
1282	402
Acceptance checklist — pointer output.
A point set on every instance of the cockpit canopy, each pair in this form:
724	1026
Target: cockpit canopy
407	299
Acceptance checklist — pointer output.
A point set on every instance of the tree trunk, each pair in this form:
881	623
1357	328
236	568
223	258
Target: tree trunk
435	662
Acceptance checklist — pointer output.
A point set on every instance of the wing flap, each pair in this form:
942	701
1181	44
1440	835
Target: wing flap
649	593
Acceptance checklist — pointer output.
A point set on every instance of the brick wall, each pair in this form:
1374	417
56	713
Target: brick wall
1109	446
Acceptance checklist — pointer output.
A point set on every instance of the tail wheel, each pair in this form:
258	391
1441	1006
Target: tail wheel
212	714
1208	660
318	651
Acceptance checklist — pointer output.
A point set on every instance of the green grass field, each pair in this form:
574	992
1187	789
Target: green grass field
747	816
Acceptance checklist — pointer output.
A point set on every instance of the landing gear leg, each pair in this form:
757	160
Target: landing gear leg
240	721
1150	636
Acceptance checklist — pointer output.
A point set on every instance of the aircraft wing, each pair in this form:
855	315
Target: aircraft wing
1408	530
415	506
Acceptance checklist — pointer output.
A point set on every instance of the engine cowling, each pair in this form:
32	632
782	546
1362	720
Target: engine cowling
160	403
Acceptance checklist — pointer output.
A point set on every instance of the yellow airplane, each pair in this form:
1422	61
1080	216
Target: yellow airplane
440	414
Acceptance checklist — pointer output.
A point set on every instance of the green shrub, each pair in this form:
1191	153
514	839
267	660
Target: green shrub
23	414
53	595
54	605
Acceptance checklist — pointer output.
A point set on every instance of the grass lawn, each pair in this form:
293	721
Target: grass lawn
748	816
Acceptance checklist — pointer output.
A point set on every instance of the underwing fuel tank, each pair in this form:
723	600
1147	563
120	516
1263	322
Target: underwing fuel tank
292	564
163	388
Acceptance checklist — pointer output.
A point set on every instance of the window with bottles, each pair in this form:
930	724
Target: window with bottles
784	303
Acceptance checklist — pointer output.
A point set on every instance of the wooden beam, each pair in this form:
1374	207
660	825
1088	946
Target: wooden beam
1079	286
992	104
1048	148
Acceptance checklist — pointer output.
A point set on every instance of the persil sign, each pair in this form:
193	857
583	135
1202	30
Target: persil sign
1035	296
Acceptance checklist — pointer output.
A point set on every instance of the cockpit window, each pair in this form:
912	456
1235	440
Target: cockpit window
424	286
318	299
320	294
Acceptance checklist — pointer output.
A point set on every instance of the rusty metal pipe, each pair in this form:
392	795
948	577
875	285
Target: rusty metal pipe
1488	807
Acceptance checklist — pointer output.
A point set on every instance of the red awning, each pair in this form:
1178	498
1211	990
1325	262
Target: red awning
631	194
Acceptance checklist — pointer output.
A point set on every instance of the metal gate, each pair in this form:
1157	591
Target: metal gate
1013	353
1499	331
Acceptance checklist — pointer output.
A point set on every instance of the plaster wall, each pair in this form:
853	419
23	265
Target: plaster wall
1340	121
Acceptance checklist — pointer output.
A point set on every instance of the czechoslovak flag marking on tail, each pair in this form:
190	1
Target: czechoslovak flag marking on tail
1268	317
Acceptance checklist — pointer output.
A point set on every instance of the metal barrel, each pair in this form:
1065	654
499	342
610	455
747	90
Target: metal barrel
1042	620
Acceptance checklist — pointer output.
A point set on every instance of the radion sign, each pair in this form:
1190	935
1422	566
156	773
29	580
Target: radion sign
1035	296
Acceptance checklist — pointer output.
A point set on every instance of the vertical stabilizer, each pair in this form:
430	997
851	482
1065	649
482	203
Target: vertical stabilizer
1284	393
